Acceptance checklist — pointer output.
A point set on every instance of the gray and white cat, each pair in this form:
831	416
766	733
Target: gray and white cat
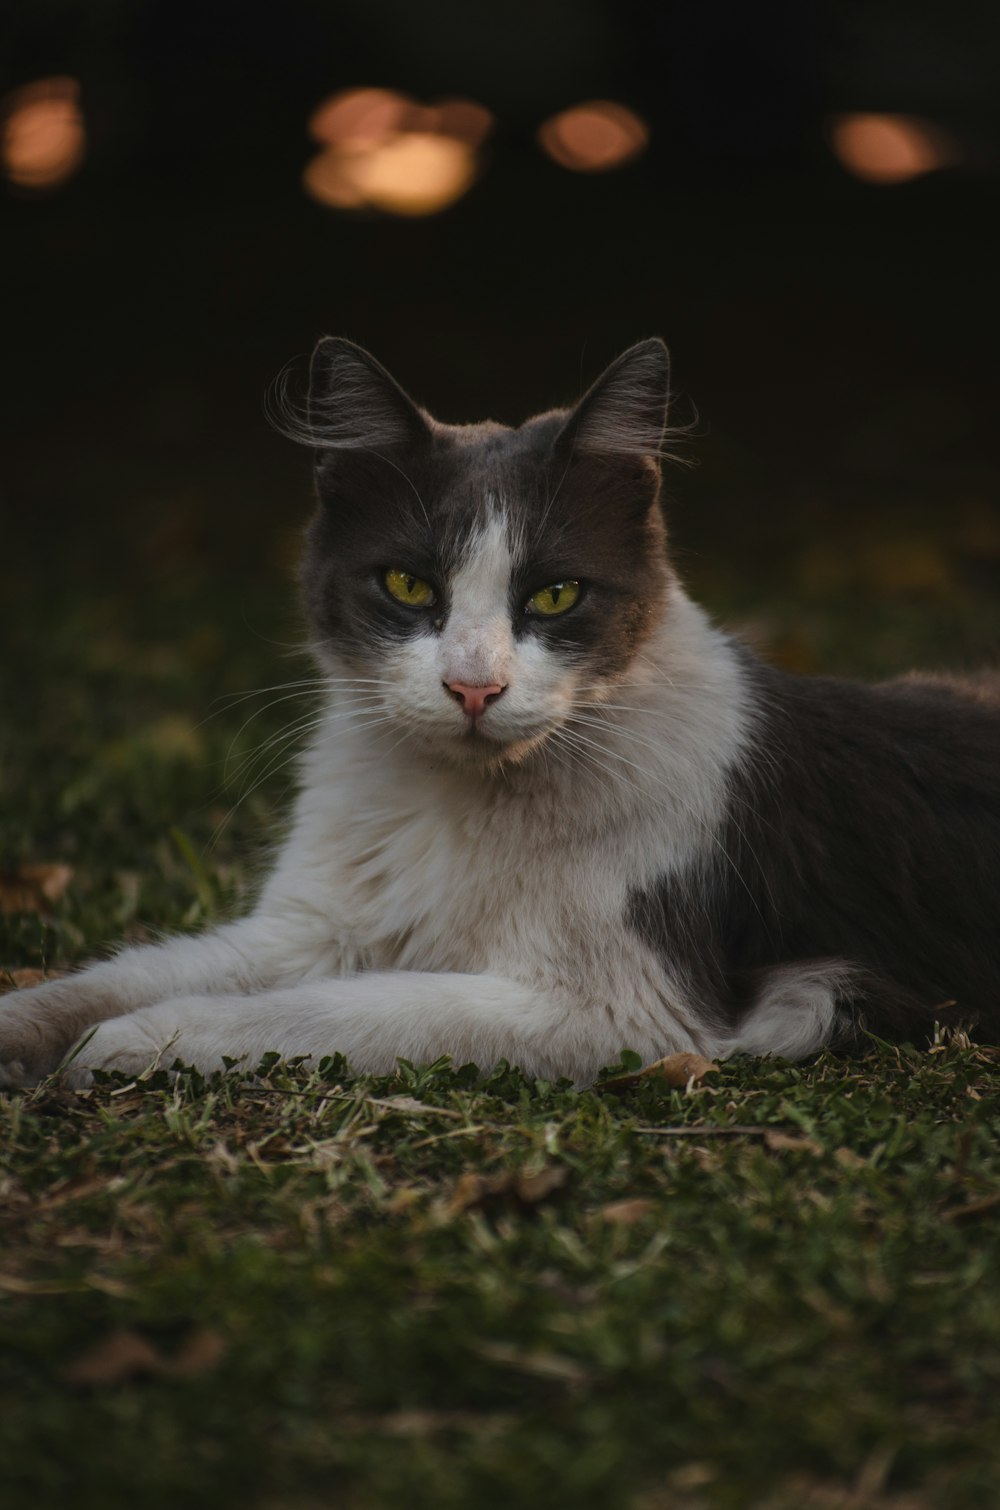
550	811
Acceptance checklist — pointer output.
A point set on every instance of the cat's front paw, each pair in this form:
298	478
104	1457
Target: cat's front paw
152	1038
38	1027
131	1045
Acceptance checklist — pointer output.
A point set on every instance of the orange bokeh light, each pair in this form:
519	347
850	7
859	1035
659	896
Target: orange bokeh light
328	178
594	137
416	173
890	149
43	139
359	116
388	152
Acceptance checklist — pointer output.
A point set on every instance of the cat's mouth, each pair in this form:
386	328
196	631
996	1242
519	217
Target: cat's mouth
491	747
499	736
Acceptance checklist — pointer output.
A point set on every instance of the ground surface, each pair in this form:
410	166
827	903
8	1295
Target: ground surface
777	1287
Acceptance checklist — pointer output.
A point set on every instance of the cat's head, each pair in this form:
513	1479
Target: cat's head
481	582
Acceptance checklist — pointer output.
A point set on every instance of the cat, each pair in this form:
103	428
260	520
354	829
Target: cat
550	811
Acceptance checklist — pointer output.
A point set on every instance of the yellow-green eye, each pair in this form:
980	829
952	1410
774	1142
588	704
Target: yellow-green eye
554	599
408	589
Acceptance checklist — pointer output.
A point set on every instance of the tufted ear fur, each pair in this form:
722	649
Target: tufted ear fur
625	412
354	404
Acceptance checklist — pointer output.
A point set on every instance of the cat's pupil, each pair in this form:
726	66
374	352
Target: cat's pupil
555	591
410	583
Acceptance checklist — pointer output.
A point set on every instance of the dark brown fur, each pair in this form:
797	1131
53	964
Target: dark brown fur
865	827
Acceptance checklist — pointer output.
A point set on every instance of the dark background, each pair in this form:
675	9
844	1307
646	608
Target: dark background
838	338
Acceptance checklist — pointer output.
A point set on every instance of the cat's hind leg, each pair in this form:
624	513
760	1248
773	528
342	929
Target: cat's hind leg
800	1007
797	1009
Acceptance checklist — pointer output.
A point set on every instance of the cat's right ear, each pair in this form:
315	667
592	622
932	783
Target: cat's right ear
625	412
355	405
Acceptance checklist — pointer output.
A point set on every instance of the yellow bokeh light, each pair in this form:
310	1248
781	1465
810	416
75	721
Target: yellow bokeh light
416	174
411	174
890	149
594	137
388	152
43	139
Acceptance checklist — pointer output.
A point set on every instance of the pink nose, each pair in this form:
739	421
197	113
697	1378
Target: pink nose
474	699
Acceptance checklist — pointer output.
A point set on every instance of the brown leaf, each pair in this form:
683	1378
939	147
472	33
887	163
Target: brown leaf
777	1141
511	1189
198	1354
531	1189
33	888
128	1355
626	1213
18	979
848	1159
123	1355
677	1071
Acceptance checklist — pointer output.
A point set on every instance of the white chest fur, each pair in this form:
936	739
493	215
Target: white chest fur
408	864
430	868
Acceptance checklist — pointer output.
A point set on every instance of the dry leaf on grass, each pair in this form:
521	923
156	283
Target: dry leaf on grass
201	1351
123	1355
626	1213
33	888
776	1141
676	1071
128	1355
510	1189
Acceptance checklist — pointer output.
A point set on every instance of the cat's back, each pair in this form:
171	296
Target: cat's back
923	734
866	825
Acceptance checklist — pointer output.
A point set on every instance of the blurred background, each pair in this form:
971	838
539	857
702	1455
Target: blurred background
496	200
800	199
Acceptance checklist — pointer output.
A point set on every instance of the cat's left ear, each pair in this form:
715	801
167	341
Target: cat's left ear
625	412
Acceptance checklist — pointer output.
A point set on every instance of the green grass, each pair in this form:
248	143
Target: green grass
292	1292
776	1315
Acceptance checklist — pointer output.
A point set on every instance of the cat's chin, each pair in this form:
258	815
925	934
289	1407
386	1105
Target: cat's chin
478	751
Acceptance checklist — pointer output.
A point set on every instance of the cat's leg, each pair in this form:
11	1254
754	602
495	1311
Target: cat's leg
376	1018
39	1025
